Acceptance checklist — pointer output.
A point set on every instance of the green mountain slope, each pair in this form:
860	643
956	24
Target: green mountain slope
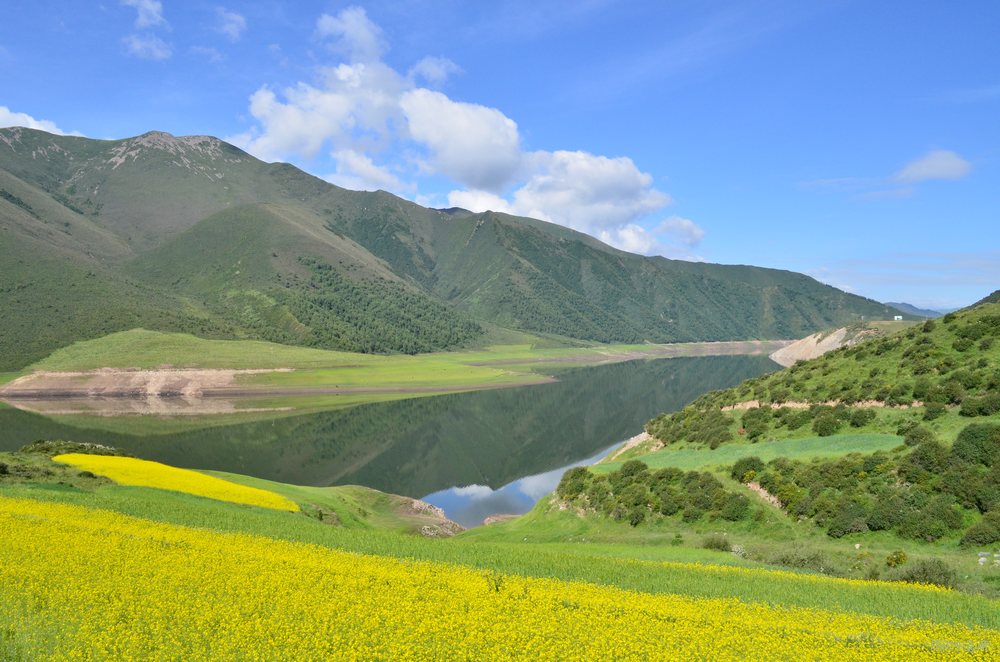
192	234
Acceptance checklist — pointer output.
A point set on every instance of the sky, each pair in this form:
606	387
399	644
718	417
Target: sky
856	142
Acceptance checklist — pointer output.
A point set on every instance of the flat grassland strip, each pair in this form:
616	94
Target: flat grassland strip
700	458
782	588
343	372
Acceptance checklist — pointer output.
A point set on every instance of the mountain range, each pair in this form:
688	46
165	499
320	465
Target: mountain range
193	234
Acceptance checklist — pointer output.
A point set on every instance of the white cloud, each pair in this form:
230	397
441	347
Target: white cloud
149	13
598	195
476	145
631	237
355	107
434	70
147	47
231	24
357	171
936	164
479	201
587	192
9	118
363	110
354	34
682	231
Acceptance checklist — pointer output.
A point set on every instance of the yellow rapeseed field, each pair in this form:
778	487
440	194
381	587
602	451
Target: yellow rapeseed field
81	584
132	471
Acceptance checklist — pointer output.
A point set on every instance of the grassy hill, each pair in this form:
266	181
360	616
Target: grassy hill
891	446
191	234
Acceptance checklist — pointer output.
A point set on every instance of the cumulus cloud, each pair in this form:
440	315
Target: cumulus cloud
355	106
479	201
147	47
682	231
353	33
363	112
476	145
434	70
358	172
586	191
9	118
231	24
630	237
594	194
936	164
149	13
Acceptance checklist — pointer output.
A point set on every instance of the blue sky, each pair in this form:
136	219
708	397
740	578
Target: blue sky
857	142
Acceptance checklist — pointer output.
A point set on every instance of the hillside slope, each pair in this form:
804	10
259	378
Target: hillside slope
193	234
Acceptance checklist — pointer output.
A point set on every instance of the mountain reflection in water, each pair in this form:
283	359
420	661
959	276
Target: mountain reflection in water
420	446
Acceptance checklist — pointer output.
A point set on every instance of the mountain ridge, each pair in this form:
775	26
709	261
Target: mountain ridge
193	234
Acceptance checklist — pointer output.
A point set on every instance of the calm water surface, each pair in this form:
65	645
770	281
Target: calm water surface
474	454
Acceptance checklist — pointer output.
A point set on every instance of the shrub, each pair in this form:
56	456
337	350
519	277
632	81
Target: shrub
984	532
862	417
736	507
756	421
934	410
825	425
929	571
692	514
985	406
896	559
744	467
978	443
574	482
918	434
717	542
3	469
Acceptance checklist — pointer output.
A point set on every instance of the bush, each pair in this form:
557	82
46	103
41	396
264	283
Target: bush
984	532
826	425
896	559
934	410
747	468
862	417
574	482
918	434
978	443
929	571
736	507
692	514
985	406
717	542
3	469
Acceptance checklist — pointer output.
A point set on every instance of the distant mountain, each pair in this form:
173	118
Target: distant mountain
913	310
193	234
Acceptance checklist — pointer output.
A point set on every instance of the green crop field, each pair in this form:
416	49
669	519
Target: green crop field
690	458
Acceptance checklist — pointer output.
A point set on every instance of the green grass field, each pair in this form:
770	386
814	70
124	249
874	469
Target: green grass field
698	457
500	365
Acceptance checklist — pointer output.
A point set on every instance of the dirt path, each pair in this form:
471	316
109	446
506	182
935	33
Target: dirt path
756	487
860	404
630	444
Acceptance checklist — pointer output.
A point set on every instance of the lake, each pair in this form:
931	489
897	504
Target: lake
474	454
